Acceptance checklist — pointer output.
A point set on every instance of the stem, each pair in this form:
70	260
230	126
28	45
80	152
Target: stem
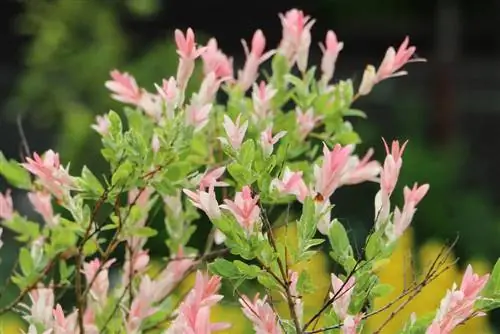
431	275
30	287
286	281
291	306
332	299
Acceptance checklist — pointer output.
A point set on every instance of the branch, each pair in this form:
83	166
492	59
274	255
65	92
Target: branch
432	274
284	274
28	289
334	297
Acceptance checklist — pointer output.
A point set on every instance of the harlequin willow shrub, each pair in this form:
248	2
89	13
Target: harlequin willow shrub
242	164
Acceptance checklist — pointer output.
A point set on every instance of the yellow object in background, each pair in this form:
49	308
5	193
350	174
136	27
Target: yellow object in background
316	267
11	323
400	271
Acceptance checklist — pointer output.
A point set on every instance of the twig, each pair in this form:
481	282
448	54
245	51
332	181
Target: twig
80	298
24	140
117	305
431	275
115	239
333	298
28	289
284	274
325	299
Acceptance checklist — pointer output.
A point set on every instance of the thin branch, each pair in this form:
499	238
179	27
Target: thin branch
333	298
115	308
284	274
433	273
24	140
28	289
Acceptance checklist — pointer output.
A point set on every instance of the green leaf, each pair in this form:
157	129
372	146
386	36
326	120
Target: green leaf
307	223
145	232
90	247
493	286
305	284
199	145
267	254
323	103
90	183
487	304
280	68
374	245
26	262
26	229
14	173
381	290
234	270
122	173
65	271
20	281
299	85
115	128
306	228
346	91
288	326
354	112
491	292
348	138
248	271
247	153
135	119
108	227
268	281
420	325
341	247
338	237
178	171
224	268
242	175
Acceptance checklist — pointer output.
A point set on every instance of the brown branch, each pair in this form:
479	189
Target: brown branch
284	274
28	289
115	239
325	300
334	297
117	305
80	298
432	274
429	277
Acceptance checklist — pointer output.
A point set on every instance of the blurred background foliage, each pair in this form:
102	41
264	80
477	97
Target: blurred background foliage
73	47
69	48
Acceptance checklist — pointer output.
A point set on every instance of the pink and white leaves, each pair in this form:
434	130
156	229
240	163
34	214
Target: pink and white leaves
458	305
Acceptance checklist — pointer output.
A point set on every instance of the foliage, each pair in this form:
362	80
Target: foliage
276	158
402	266
72	46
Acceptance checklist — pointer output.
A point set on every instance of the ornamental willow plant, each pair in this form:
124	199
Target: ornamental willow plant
243	164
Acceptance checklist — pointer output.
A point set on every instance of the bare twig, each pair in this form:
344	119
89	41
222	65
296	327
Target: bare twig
285	281
24	140
434	272
333	298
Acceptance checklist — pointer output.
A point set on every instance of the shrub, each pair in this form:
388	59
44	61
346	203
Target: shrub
274	159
